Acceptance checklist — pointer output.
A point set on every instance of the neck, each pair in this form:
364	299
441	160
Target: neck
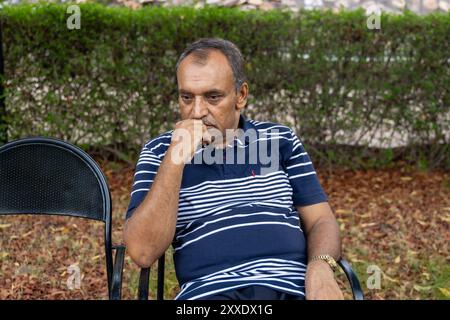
229	137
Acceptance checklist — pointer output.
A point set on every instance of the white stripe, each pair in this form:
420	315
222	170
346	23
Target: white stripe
189	215
237	216
233	227
268	128
257	186
147	162
146	151
185	207
160	144
180	224
189	212
225	183
225	211
300	267
299	165
233	195
271	138
279	179
274	133
239	286
141	181
284	183
273	262
279	269
302	175
296	147
288	204
246	264
262	139
252	283
164	135
150	157
139	190
298	155
144	171
238	277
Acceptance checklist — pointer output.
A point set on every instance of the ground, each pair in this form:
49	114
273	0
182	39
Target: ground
395	220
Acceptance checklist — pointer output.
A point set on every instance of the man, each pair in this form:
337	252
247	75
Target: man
234	227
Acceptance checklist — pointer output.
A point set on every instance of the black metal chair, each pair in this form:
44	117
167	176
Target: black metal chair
49	176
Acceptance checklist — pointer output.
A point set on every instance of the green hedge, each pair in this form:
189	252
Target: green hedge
111	84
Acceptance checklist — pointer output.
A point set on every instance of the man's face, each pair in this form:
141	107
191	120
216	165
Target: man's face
207	92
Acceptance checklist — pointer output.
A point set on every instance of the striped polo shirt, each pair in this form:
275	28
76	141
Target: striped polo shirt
237	222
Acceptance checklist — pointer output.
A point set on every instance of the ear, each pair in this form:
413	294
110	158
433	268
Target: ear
242	96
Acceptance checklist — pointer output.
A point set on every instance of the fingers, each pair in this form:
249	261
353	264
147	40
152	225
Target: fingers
198	130
206	136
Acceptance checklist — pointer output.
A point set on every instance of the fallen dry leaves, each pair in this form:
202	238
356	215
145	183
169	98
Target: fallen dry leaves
396	219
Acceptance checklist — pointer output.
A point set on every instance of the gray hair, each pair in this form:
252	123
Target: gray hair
201	48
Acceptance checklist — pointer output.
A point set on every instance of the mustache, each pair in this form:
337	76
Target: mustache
208	124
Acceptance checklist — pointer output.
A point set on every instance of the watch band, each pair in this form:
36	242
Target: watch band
328	259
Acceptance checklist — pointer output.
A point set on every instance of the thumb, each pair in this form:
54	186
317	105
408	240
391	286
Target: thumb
207	137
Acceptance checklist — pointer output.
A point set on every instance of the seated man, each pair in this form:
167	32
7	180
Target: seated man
231	215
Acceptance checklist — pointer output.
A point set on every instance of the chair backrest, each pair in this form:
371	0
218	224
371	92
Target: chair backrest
49	176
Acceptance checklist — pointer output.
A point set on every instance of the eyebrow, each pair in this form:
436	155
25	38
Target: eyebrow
209	92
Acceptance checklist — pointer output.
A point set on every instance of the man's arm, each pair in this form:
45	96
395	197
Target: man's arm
151	228
322	233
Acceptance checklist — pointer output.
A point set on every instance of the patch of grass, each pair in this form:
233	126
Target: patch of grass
446	183
439	280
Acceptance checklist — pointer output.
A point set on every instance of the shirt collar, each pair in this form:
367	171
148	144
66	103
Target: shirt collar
248	132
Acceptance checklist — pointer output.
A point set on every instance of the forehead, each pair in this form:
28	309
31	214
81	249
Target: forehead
198	77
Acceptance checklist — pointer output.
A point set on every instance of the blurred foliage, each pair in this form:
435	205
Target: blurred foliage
111	84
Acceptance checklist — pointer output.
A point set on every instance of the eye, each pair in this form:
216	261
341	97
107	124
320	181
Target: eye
214	97
185	97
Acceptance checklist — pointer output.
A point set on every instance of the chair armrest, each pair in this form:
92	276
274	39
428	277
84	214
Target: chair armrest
116	286
352	278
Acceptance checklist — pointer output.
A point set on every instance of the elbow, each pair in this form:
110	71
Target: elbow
143	255
144	252
143	260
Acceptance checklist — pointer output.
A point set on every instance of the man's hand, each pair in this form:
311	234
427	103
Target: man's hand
320	282
187	137
150	231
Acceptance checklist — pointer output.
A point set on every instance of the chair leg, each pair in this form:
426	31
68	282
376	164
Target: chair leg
116	286
161	265
144	279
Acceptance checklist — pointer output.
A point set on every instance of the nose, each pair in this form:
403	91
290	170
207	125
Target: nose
200	109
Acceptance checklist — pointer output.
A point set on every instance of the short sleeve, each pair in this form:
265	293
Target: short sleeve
302	175
146	169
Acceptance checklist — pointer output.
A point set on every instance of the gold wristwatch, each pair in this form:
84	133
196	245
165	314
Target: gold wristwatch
328	259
